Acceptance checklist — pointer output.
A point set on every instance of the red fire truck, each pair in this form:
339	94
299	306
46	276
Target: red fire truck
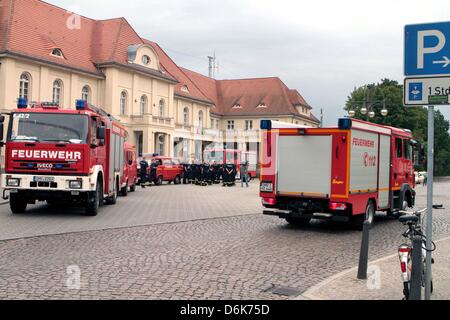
130	172
343	173
168	169
224	156
63	156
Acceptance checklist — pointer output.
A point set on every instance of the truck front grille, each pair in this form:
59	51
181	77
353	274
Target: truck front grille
34	184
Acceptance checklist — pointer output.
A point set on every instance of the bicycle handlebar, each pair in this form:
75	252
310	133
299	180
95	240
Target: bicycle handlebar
414	212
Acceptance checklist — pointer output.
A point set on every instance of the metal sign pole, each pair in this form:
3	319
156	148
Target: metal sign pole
430	173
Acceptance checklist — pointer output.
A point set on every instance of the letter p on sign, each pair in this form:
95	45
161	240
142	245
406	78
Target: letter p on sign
422	50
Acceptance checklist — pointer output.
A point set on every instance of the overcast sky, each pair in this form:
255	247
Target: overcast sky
322	48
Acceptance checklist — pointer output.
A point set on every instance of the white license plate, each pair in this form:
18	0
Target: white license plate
44	179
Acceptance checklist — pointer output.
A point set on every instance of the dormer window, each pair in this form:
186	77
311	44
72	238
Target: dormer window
262	105
146	59
185	89
57	53
237	106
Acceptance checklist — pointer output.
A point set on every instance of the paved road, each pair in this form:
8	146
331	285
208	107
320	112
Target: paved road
237	257
155	205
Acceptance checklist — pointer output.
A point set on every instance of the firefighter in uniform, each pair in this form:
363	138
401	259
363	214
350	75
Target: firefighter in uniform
143	173
196	173
229	175
214	172
220	170
204	174
153	169
186	173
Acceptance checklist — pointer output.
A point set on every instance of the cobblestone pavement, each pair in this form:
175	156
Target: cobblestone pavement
384	281
155	205
224	258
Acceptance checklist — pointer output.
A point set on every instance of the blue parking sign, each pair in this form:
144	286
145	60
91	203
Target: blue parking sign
427	49
415	91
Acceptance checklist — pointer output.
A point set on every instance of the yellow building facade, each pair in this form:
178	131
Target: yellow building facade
166	109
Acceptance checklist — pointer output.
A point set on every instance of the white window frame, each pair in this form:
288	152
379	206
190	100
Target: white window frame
248	125
86	93
186	116
143	104
200	119
25	85
162	108
57	96
123	102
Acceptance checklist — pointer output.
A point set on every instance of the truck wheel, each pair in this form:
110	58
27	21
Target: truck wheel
94	204
177	180
159	181
133	187
358	220
124	190
370	213
299	221
113	199
17	204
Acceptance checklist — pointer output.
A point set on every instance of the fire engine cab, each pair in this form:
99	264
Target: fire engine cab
343	173
62	156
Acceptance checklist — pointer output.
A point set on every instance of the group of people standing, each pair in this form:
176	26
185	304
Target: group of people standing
148	175
204	174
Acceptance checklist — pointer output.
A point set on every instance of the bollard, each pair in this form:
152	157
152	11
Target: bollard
364	253
416	272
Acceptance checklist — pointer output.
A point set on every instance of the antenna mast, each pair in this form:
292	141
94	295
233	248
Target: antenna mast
212	66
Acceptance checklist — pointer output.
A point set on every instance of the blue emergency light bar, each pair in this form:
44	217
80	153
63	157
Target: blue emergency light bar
266	125
81	104
345	123
22	103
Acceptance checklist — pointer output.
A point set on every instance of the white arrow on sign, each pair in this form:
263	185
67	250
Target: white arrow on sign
444	62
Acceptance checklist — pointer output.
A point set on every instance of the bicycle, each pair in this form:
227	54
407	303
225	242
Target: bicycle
414	222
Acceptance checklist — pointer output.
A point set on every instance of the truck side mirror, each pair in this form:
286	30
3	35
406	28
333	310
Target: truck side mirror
101	133
422	155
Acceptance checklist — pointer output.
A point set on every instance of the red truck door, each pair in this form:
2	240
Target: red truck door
398	172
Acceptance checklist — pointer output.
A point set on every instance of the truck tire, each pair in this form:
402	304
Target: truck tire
17	204
177	180
298	221
159	181
133	187
113	199
95	202
369	215
124	190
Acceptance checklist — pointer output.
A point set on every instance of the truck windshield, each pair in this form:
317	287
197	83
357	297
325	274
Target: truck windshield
48	127
211	155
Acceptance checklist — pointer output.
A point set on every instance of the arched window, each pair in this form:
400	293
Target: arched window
57	53
86	94
186	116
200	119
24	87
123	103
57	92
143	105
162	107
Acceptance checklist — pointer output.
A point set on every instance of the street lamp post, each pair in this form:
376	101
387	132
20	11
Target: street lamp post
367	107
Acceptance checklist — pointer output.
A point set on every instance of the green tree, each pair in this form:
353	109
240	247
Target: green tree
389	94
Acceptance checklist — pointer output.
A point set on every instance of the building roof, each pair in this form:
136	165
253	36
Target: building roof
192	92
250	97
33	28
